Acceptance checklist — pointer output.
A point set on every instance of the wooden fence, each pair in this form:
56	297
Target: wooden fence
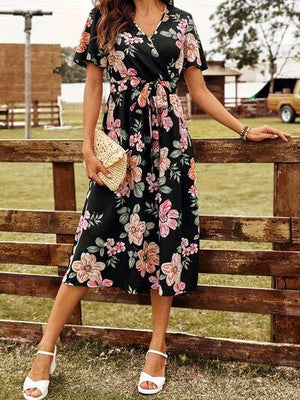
249	108
282	263
13	114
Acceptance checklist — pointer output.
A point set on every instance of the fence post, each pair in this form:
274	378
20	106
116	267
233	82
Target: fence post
65	199
287	203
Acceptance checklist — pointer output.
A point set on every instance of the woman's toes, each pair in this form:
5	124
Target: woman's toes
148	385
33	392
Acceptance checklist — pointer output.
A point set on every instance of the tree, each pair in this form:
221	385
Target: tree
249	31
71	73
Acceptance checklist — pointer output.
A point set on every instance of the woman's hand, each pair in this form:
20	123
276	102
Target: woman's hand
266	132
93	166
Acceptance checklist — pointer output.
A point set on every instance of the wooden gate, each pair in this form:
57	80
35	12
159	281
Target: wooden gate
282	263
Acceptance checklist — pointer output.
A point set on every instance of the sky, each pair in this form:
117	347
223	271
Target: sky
65	25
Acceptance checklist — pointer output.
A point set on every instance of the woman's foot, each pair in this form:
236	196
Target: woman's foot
40	369
155	365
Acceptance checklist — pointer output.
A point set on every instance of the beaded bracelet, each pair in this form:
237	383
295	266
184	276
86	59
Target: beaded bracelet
245	132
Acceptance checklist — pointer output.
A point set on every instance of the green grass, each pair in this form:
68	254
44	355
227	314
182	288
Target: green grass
94	371
224	189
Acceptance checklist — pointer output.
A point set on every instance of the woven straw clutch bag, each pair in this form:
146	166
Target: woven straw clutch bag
113	157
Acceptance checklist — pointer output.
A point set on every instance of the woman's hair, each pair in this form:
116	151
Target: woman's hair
116	15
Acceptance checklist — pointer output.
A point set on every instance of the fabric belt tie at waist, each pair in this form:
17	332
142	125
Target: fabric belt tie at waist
156	95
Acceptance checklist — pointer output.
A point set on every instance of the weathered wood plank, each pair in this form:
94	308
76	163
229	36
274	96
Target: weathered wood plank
250	229
65	199
250	262
205	347
31	221
223	150
208	150
21	330
212	227
35	253
232	262
287	203
58	150
237	299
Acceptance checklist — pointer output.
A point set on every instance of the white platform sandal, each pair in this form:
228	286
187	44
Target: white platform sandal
42	384
159	381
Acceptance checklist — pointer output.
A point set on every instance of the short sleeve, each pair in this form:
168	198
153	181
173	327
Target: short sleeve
192	47
88	48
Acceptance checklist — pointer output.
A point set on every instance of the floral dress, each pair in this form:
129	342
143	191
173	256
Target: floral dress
145	234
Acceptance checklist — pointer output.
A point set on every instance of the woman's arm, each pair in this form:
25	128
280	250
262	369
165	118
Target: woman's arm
91	108
205	99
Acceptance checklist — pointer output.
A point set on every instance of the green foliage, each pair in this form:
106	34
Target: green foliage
71	72
249	31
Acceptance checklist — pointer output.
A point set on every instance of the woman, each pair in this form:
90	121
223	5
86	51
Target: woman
145	235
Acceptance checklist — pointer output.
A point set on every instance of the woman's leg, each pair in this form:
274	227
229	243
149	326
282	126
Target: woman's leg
155	364
65	301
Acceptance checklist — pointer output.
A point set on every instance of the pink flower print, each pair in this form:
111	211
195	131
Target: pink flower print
193	248
114	129
148	258
130	40
193	190
191	48
115	58
158	197
180	60
184	242
173	269
134	172
122	86
180	40
164	161
100	282
83	223
110	242
183	144
155	282
135	140
182	25
134	81
135	229
123	190
192	170
84	41
186	249
165	120
167	218
132	106
89	22
152	182
166	16
113	248
143	96
87	268
178	288
177	106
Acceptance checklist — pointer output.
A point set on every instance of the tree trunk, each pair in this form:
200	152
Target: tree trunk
272	75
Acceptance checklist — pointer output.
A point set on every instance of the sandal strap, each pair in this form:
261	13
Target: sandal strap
158	380
48	353
42	384
157	352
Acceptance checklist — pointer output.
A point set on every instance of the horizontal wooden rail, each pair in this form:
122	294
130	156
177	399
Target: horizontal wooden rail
212	227
204	347
217	150
225	298
232	262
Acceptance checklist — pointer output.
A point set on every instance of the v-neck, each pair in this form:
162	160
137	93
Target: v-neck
157	26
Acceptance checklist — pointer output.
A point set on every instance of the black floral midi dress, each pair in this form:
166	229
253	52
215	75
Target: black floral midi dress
145	234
